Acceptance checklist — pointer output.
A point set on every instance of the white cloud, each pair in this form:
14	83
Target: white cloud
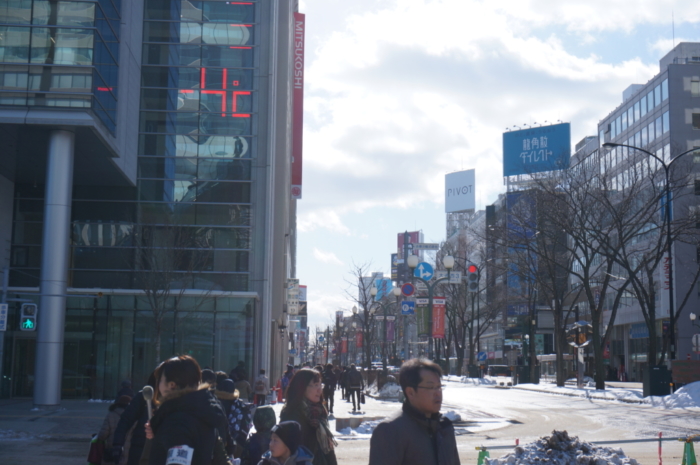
401	92
327	257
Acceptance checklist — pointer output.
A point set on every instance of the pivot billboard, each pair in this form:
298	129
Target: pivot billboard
534	150
459	191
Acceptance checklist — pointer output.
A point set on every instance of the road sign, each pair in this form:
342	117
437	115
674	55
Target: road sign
482	356
426	246
408	289
455	276
696	342
424	270
408	307
3	317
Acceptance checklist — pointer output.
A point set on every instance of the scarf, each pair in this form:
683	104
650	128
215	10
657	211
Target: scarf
317	415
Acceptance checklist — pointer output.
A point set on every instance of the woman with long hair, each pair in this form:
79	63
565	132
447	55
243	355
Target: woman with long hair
189	420
304	405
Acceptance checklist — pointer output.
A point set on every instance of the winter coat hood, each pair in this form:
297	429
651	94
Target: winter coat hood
264	418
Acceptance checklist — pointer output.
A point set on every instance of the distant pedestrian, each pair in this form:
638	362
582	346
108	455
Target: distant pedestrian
261	387
245	392
329	382
418	435
259	442
209	377
109	426
304	405
286	446
355	385
286	378
126	389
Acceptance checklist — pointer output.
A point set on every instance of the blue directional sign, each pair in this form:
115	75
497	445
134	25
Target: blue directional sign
408	307
482	356
424	271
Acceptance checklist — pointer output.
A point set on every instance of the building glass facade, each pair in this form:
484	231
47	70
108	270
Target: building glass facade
61	54
187	222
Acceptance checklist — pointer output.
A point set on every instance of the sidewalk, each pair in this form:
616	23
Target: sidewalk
59	437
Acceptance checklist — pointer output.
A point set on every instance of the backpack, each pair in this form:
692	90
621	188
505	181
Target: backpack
260	385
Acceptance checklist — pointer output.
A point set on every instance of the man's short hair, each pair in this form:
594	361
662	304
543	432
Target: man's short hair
262	371
410	376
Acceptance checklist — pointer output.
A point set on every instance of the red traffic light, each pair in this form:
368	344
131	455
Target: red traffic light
472	269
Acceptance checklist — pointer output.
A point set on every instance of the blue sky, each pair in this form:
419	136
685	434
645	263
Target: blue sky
399	93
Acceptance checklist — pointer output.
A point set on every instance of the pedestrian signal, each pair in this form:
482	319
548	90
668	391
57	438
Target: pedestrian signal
27	319
472	278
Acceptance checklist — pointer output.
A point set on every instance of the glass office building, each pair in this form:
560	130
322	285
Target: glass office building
186	222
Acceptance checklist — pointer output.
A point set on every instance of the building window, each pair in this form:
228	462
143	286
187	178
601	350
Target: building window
695	87
696	120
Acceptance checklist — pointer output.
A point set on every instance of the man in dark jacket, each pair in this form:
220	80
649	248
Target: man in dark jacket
419	434
329	381
355	385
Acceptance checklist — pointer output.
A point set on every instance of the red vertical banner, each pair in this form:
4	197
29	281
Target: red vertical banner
439	317
358	338
298	103
345	345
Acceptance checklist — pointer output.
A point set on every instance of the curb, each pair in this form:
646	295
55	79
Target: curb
627	401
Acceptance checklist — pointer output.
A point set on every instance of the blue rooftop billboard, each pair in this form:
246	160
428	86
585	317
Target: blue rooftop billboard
534	150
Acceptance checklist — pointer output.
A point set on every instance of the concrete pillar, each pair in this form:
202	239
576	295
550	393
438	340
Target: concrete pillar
55	247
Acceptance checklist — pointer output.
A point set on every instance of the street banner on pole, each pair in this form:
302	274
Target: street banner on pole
439	318
345	345
422	317
358	339
390	328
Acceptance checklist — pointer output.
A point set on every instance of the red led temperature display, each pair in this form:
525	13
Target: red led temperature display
223	88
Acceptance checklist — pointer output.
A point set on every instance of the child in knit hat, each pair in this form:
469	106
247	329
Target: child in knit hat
285	446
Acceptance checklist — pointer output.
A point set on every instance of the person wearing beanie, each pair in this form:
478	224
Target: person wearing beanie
227	395
109	426
286	446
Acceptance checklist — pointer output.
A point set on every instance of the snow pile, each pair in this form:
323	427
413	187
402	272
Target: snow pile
9	435
560	448
686	397
452	416
390	391
365	429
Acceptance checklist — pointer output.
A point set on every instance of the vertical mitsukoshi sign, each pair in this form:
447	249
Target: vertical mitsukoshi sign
298	103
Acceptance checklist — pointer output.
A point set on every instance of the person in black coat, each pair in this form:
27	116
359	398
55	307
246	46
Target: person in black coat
189	421
136	413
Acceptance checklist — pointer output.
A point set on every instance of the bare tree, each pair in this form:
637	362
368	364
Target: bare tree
169	256
358	292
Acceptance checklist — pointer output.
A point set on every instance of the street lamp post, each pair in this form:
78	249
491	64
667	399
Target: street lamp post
384	306
671	303
448	262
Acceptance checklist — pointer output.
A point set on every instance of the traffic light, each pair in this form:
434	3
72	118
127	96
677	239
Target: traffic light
472	278
27	319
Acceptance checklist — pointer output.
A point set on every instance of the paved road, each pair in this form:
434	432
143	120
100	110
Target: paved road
496	417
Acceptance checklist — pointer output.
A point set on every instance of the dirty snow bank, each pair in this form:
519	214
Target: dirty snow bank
560	448
363	431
